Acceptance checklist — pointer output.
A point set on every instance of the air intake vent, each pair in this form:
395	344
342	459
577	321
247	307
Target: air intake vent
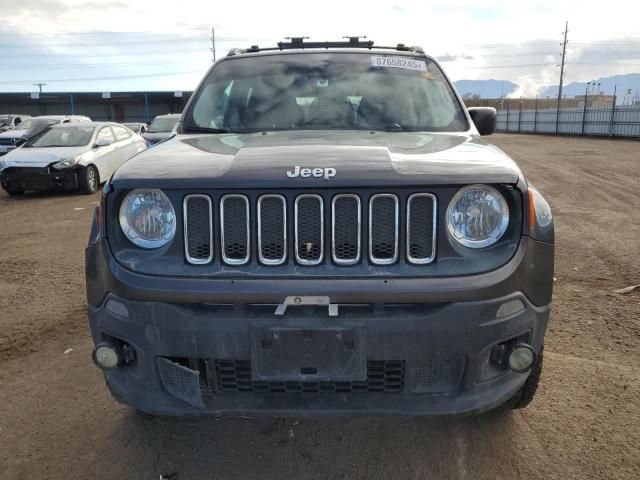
421	228
272	229
383	229
234	234
198	230
346	229
309	229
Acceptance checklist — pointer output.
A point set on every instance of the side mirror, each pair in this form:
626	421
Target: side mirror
484	119
103	142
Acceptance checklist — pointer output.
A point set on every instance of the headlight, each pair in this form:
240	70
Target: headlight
67	162
147	218
477	216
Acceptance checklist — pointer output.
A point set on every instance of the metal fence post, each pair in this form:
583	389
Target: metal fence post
613	111
535	115
584	111
519	114
507	126
72	104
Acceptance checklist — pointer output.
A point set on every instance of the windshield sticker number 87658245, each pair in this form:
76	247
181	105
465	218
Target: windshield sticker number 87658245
398	62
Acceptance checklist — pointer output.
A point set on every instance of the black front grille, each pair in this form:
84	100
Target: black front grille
272	237
198	228
383	376
234	213
326	227
421	227
347	236
383	223
309	229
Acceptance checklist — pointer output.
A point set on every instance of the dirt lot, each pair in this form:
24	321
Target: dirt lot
58	421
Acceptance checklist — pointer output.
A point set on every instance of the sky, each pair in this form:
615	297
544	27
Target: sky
144	45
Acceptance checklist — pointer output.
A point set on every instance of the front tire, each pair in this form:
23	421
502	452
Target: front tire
88	179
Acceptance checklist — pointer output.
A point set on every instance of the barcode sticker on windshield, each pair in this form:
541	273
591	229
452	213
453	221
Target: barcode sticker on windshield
399	62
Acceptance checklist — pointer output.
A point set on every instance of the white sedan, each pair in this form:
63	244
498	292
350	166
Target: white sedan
68	157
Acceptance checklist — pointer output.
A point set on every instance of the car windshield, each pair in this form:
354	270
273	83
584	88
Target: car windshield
163	124
68	136
132	126
26	124
322	90
4	120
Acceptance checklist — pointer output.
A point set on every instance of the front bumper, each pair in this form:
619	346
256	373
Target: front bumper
440	358
25	178
428	341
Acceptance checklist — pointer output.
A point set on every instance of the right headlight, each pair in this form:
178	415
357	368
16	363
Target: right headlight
477	216
147	218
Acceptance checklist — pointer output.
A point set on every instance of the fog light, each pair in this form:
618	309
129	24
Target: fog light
106	356
521	358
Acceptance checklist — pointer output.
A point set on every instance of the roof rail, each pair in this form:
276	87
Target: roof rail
299	43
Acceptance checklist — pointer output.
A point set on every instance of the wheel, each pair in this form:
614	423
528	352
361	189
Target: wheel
88	179
524	396
14	193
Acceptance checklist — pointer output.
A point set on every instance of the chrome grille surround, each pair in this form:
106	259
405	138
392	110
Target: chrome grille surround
297	229
434	213
261	252
185	211
393	258
334	255
223	247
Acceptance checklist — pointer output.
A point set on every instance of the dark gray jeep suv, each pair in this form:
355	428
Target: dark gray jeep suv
326	233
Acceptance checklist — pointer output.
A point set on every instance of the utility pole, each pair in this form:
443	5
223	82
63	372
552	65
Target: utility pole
39	85
213	43
564	51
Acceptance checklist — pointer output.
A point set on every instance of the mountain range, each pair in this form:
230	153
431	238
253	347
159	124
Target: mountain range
627	86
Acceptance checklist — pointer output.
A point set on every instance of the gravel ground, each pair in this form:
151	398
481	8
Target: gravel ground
58	421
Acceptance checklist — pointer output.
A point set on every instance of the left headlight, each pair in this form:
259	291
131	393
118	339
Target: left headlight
147	218
67	162
477	216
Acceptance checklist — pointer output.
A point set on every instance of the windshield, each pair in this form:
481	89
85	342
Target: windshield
163	124
4	120
370	91
71	136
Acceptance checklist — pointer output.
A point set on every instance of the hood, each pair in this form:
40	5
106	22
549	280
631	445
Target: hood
156	137
360	158
15	133
39	157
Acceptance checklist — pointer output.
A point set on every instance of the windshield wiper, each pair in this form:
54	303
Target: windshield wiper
206	130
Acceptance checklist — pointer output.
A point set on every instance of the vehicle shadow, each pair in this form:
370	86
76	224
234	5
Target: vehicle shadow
326	447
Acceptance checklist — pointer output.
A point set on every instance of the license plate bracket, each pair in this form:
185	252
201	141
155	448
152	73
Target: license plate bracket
287	353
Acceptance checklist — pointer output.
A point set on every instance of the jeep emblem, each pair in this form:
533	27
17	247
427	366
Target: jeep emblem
327	173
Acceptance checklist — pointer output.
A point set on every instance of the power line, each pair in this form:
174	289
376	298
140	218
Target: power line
120	77
101	55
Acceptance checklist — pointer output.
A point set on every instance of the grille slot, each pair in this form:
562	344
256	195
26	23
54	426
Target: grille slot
309	229
198	232
234	224
346	231
421	228
272	229
383	376
383	229
439	375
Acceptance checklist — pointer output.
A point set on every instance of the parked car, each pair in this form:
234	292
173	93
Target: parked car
32	126
11	121
161	128
138	128
365	250
69	156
